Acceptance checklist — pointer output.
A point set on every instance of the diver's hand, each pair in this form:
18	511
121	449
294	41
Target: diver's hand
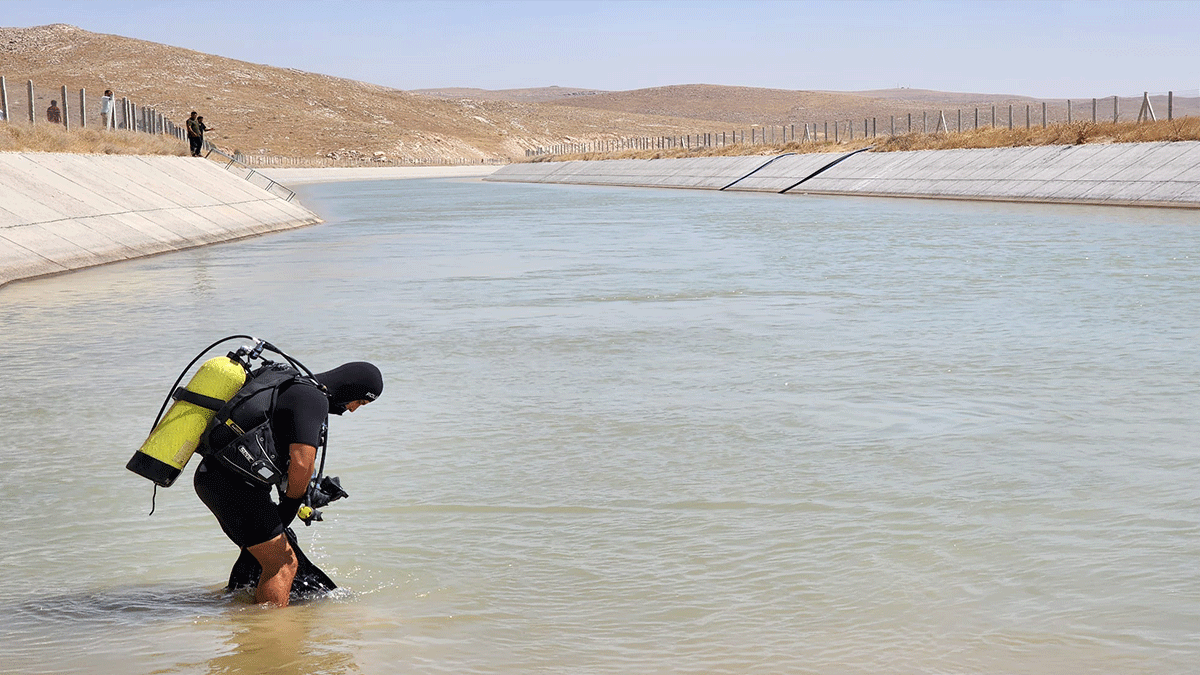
287	509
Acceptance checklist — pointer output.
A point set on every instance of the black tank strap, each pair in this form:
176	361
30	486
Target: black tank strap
201	400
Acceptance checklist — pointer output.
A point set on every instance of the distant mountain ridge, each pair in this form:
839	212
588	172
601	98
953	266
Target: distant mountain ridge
533	94
261	109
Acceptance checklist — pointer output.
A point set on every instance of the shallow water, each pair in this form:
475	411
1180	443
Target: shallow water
640	431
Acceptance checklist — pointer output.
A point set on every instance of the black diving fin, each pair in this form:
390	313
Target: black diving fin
310	581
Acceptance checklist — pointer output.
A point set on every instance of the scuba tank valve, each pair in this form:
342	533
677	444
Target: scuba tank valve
174	438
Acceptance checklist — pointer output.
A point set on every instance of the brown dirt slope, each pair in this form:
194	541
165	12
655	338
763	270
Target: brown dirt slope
263	109
750	105
260	109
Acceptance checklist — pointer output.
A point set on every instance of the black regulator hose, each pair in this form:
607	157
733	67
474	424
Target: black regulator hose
255	353
189	367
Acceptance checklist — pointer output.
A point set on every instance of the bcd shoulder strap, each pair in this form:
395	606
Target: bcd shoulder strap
250	406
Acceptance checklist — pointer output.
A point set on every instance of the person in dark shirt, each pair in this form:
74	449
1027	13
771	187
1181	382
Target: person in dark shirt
195	138
53	113
245	511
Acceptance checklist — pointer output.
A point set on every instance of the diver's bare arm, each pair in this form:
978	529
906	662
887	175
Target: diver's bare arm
300	469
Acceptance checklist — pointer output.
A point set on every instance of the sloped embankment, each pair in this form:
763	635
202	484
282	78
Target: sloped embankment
61	212
1127	174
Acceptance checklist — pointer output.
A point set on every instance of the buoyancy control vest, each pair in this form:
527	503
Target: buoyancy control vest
240	436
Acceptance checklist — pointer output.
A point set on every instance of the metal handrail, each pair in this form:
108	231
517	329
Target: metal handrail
272	184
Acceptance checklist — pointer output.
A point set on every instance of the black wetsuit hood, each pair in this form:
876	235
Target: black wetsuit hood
354	381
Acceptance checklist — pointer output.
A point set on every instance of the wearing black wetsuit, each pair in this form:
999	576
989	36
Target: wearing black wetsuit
245	511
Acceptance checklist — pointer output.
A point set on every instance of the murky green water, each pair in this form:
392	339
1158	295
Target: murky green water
640	431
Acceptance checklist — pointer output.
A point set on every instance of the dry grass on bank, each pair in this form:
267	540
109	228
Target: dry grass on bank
1075	133
23	137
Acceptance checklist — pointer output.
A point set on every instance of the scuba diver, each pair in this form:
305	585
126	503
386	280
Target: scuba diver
258	424
296	416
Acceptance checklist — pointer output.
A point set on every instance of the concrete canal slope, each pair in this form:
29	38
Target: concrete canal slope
1138	174
61	212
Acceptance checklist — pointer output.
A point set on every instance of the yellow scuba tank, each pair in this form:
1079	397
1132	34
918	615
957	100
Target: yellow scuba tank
173	440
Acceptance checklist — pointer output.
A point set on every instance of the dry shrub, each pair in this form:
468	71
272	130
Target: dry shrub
24	137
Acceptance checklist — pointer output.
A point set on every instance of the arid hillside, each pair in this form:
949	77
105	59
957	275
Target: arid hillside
263	109
748	105
277	112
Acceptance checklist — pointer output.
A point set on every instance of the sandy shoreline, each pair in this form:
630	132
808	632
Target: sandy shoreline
298	176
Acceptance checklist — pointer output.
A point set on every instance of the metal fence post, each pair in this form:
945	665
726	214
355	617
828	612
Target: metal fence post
4	100
1170	101
32	116
1069	111
1093	111
82	108
1043	114
66	110
1114	109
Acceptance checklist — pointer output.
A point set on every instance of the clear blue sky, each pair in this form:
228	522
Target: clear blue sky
1052	48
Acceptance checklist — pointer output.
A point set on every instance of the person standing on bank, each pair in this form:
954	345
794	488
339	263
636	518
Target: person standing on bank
297	420
201	128
106	109
195	139
53	113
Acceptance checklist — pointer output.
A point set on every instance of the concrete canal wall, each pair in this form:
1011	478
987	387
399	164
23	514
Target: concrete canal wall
1137	174
61	212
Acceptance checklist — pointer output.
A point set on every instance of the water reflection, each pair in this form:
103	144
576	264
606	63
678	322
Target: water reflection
115	607
177	630
296	641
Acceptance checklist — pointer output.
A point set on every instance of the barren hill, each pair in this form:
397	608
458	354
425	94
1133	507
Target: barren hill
261	109
749	105
534	94
258	108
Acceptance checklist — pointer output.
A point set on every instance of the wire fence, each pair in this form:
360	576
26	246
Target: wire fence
1169	105
71	111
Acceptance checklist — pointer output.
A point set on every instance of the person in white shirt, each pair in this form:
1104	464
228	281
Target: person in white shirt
106	109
